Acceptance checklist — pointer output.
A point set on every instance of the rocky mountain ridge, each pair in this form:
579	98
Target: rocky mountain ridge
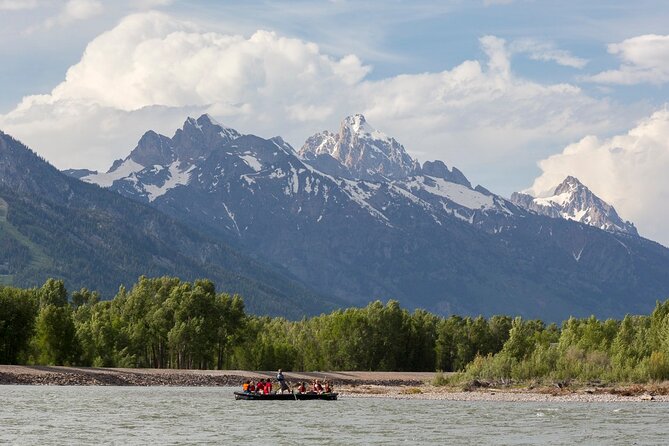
361	151
158	163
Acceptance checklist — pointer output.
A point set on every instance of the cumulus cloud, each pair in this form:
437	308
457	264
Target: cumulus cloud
261	83
155	60
547	52
150	64
627	170
477	115
75	10
645	59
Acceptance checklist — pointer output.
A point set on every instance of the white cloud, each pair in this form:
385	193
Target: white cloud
75	10
470	115
263	83
475	115
645	59
545	51
16	5
628	170
154	60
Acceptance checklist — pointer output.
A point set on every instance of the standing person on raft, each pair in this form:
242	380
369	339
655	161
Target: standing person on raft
282	381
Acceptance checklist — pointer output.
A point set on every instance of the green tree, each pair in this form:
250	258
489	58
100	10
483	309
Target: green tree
18	310
453	348
522	338
229	323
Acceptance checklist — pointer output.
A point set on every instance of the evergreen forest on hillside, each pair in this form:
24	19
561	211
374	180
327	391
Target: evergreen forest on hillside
168	323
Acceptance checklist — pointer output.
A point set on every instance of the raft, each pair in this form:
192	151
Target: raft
286	396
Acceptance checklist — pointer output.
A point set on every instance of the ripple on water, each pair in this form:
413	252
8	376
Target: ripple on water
170	416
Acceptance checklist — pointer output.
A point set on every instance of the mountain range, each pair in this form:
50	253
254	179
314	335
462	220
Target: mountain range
351	216
52	225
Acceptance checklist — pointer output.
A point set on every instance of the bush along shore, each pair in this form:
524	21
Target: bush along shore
165	323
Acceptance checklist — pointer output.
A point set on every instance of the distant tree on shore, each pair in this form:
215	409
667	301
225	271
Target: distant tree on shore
167	323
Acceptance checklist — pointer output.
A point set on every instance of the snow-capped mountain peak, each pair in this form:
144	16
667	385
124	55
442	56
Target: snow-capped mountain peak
572	200
359	125
159	163
358	151
570	185
198	136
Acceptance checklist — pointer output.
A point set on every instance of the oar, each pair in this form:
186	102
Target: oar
293	392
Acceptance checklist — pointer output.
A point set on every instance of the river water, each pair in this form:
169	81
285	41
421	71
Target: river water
38	415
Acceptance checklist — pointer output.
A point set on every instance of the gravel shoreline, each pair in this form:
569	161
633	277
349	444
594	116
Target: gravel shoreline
499	395
396	385
93	376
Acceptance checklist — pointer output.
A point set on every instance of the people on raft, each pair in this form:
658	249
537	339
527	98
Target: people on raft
264	386
260	386
317	387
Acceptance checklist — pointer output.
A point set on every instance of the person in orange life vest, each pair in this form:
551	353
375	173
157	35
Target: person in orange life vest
245	386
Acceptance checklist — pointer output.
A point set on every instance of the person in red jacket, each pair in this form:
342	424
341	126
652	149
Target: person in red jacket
301	388
252	387
260	385
268	387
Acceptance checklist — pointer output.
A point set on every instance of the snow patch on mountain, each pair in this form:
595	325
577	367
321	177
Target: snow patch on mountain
177	176
360	192
456	193
125	169
251	161
560	200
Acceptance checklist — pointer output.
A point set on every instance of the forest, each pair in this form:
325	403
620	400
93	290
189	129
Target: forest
169	323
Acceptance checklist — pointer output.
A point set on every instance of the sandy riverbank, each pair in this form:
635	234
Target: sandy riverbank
399	385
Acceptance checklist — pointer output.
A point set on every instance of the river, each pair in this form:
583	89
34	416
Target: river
45	415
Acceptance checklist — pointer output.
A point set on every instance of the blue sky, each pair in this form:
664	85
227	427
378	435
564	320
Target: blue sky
394	36
511	92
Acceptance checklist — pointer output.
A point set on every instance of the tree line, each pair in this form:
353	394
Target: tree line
168	323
